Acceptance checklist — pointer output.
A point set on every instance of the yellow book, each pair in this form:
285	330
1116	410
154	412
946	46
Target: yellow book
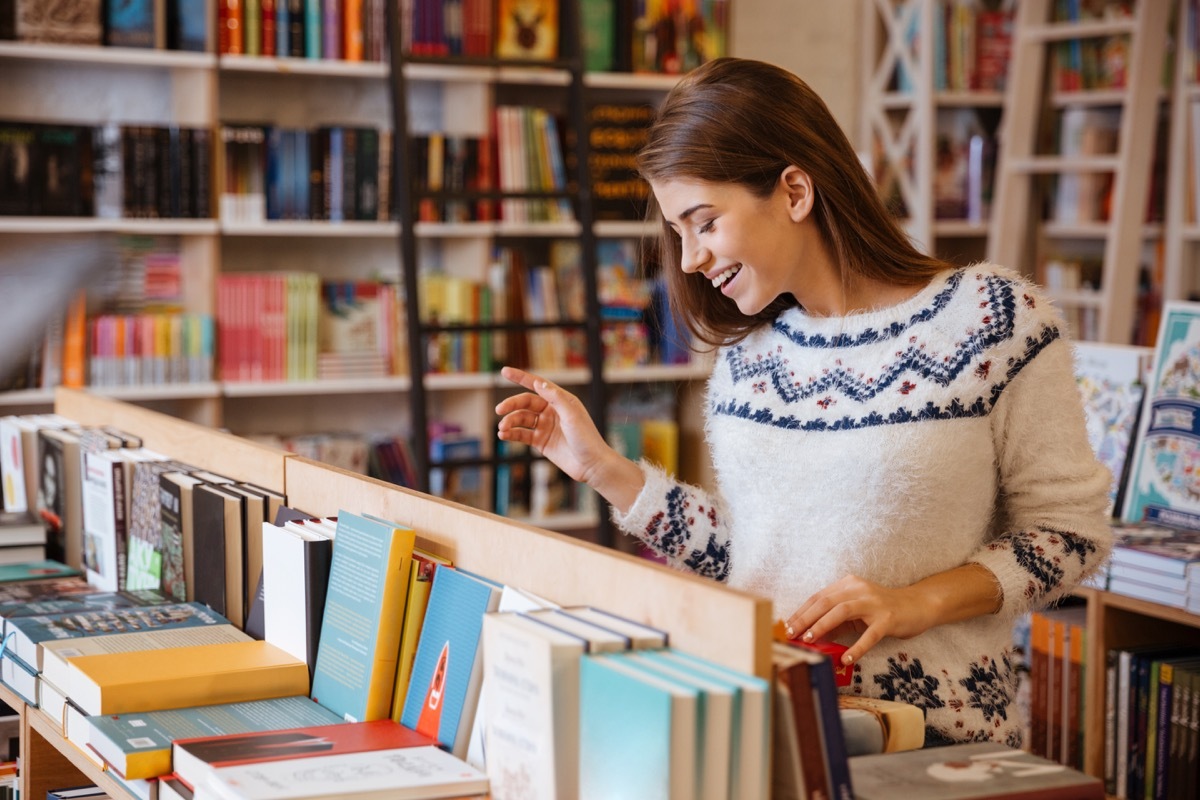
660	443
180	677
420	580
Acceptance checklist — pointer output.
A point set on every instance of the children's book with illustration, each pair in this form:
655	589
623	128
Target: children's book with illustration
1164	481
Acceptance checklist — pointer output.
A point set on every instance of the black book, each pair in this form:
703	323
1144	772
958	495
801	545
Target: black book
201	173
17	142
61	157
367	204
295	28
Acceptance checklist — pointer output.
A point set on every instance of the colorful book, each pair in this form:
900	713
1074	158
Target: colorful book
80	602
407	773
1163	487
527	29
196	759
975	771
420	583
179	677
139	744
355	670
35	571
444	691
27	633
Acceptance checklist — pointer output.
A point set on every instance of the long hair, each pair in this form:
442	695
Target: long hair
743	122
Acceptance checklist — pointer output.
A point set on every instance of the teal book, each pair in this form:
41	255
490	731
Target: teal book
359	645
638	732
24	635
443	692
751	770
139	745
35	571
76	603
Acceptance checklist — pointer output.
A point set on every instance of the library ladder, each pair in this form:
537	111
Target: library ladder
1024	170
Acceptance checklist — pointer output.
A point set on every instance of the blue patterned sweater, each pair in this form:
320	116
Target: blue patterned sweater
893	445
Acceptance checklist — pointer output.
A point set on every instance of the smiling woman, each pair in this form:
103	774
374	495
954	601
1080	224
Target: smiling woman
900	450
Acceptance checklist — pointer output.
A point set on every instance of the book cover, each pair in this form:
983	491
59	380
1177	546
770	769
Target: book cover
59	495
29	632
105	517
79	602
140	743
188	25
35	570
144	548
20	528
408	773
196	759
1174	553
530	708
355	670
56	655
444	690
72	22
176	491
133	23
12	464
420	582
903	724
296	562
527	29
25	590
975	771
219	572
1163	487
179	677
640	635
638	732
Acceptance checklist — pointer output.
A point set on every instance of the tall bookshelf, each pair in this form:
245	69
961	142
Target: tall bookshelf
1181	279
1069	142
935	74
93	85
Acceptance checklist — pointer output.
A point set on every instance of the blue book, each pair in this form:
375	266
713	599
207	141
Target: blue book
187	25
282	28
132	23
75	603
443	692
312	28
359	644
35	571
637	731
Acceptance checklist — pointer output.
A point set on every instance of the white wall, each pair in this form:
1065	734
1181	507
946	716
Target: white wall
816	39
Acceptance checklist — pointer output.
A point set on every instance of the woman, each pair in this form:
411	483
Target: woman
899	445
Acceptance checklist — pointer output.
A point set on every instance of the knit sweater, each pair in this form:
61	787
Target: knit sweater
893	445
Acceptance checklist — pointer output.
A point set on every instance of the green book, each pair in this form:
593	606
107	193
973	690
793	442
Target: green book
139	745
35	571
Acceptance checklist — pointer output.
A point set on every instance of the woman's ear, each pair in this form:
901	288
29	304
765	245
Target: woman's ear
797	187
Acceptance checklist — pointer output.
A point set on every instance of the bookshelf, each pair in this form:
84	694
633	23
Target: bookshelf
730	627
1181	279
1070	134
933	95
94	85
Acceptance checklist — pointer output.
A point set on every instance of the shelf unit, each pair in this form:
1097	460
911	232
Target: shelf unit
1181	279
93	85
903	120
1021	237
551	565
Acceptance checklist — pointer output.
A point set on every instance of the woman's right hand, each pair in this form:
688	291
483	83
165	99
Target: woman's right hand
555	422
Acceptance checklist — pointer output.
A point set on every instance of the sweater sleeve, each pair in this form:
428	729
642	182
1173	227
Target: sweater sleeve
1052	515
680	522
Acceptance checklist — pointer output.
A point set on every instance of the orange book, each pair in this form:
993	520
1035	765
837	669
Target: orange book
232	38
352	30
75	343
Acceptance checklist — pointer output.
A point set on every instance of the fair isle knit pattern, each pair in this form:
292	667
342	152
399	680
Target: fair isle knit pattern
893	445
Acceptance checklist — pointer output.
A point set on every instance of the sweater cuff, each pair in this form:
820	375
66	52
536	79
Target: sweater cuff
1013	584
648	503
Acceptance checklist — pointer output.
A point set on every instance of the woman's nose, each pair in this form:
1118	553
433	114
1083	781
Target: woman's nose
694	255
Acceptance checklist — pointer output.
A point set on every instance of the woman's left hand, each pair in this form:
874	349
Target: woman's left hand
856	605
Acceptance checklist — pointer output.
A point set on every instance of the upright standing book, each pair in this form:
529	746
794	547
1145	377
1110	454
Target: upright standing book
296	561
444	691
355	671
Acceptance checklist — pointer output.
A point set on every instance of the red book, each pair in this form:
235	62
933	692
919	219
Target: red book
268	27
194	759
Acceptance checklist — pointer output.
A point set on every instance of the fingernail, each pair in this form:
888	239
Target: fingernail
808	636
791	633
847	658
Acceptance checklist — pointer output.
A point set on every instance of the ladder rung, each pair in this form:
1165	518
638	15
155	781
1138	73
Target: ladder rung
1066	31
1053	164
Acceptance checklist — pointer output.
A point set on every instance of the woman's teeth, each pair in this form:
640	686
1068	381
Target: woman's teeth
726	275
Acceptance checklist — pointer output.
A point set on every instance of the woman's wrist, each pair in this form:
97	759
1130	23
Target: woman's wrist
618	480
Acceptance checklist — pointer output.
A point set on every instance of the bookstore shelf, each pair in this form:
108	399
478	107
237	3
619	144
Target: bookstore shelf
358	230
152	227
323	386
979	99
1091	29
116	56
640	81
631	229
367	70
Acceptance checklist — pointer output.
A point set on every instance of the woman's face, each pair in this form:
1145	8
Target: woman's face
748	248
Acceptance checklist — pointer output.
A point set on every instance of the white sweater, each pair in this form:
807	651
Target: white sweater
893	445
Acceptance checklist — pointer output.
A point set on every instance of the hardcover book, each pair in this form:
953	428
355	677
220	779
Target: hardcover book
134	23
179	677
65	22
355	670
196	759
140	743
976	771
35	570
296	560
444	691
420	582
527	29
79	602
1164	484
407	773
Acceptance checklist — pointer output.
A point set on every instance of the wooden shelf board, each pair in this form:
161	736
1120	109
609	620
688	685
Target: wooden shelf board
1088	29
625	229
455	230
27	397
312	229
658	373
535	229
315	387
562	521
1077	299
1149	609
157	227
47	729
1089	97
110	56
532	76
969	99
1055	164
369	70
959	228
453	381
651	82
170	391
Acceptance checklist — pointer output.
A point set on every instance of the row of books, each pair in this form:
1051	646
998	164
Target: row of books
966	163
972	42
349	30
107	171
336	173
159	24
1091	63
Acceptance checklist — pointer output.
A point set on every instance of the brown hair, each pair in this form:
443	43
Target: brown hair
743	122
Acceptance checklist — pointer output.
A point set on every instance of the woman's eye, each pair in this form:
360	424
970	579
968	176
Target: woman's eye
707	227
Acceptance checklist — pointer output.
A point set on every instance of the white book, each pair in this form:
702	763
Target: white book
12	465
409	773
296	558
640	636
600	640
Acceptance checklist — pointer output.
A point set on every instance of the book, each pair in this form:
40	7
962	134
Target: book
35	570
12	467
902	724
530	707
28	633
448	668
527	29
105	517
20	528
600	639
179	677
140	743
975	771
56	655
805	677
420	582
296	561
177	491
59	494
78	602
20	677
355	669
638	732
407	773
219	571
15	594
1161	487
641	636
196	759
134	23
